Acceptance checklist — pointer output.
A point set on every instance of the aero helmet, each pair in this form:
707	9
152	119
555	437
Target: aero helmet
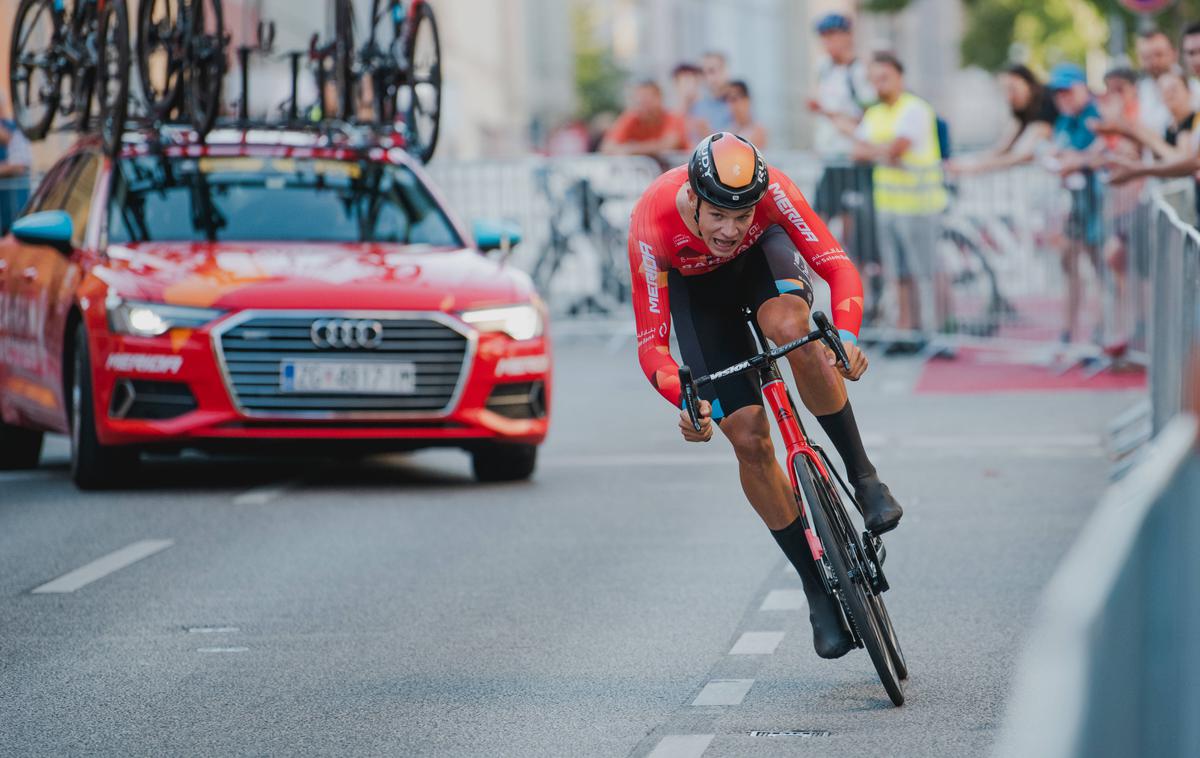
727	171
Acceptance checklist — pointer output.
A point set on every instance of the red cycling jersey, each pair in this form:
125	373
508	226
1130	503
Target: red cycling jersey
660	240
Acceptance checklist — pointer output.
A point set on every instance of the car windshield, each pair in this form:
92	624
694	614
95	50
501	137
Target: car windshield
162	198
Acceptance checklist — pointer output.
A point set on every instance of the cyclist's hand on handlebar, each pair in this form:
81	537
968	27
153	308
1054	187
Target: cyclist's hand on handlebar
856	361
706	431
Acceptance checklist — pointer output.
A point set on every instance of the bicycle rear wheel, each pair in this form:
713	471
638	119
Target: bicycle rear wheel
33	79
205	40
420	94
884	620
845	558
112	74
160	54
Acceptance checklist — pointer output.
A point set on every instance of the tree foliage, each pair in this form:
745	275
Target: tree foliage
598	79
1044	32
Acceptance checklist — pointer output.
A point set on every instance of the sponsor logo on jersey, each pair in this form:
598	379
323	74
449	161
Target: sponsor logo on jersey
650	270
787	209
832	254
682	240
645	336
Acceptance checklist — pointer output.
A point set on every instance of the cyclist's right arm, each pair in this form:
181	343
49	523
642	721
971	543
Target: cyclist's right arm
648	265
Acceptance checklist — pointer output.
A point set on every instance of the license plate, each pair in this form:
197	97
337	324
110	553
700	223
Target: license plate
348	377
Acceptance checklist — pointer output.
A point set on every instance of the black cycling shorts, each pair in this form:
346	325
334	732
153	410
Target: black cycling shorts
710	326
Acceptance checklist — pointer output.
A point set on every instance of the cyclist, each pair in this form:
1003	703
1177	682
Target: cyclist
727	232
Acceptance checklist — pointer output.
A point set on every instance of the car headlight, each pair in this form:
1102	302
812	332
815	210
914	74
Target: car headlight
521	322
154	319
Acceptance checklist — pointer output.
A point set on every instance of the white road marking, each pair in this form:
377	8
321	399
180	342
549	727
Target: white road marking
105	565
783	600
682	746
263	495
757	643
21	476
724	692
212	629
221	649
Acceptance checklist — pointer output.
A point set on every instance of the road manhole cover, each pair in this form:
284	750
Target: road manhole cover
792	733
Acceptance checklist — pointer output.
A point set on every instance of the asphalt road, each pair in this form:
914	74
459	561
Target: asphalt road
394	607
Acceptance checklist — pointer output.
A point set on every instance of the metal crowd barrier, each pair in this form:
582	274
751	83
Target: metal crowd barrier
1113	663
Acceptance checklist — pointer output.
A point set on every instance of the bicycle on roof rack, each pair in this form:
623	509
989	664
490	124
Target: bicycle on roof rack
181	59
86	48
399	68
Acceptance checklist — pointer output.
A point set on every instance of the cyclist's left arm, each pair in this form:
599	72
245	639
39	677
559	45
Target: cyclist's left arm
812	238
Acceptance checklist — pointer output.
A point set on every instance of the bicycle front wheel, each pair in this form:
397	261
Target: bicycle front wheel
160	53
845	559
206	63
420	95
33	77
112	74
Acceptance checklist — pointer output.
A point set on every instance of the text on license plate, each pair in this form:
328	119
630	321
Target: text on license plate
348	377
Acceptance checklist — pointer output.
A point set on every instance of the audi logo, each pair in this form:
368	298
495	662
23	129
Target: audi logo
346	334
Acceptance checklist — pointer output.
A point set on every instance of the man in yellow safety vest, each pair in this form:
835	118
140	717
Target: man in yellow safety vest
899	135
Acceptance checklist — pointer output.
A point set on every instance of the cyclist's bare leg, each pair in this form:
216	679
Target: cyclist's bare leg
766	486
770	492
822	389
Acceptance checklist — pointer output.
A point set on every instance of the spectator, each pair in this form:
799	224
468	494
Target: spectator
744	125
1178	146
711	107
687	78
1034	115
1119	106
843	92
15	160
899	135
646	128
1191	55
1077	152
1157	56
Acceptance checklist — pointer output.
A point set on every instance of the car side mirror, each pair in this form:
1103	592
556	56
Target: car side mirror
51	228
496	235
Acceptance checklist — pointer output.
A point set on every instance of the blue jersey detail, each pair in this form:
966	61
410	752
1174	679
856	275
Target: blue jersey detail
787	285
848	337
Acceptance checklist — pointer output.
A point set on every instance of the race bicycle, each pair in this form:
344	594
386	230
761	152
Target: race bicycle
70	60
850	564
181	59
401	63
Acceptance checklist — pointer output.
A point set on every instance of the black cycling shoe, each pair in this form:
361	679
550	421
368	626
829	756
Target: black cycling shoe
880	510
830	638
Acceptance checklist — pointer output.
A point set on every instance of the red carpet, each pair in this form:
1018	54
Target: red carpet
978	370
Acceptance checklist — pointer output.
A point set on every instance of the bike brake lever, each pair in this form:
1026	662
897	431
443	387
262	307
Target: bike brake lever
831	338
689	396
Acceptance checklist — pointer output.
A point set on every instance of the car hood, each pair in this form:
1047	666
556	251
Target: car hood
307	275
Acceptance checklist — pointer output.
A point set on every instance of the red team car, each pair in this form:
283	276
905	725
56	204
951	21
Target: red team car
268	289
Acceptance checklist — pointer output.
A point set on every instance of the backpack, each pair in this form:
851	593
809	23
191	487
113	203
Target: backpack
943	135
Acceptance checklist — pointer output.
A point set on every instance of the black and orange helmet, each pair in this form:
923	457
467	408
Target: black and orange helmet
728	171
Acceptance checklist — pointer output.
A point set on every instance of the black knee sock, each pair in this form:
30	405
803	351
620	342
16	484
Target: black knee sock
843	432
794	544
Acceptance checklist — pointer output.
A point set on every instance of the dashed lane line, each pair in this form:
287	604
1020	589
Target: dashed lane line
724	692
103	566
757	643
783	600
682	746
263	495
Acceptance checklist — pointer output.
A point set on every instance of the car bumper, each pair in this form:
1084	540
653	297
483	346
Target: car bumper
172	391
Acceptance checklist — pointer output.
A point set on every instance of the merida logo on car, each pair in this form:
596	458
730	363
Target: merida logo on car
786	208
650	268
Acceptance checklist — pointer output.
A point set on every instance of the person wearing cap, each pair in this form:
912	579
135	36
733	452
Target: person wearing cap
899	135
843	93
706	240
1077	154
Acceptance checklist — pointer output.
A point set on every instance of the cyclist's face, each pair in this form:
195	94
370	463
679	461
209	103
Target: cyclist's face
723	230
